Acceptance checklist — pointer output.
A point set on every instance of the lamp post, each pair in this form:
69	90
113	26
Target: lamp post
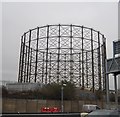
62	97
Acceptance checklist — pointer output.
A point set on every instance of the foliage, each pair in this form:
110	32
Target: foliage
69	90
112	97
49	91
53	90
99	94
4	91
119	99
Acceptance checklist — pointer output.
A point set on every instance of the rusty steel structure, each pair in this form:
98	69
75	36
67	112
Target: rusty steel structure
54	53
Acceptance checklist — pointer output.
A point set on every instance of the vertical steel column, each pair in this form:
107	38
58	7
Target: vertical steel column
50	70
71	55
86	70
99	62
107	92
104	63
79	70
30	64
82	58
36	54
23	57
65	67
93	81
43	68
25	64
28	55
105	74
62	99
20	61
116	90
58	59
47	54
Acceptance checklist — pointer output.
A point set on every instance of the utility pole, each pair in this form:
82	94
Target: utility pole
62	106
62	97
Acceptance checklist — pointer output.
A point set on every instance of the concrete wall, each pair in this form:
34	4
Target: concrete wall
22	105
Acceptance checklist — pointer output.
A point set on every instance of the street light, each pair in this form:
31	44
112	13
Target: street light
62	97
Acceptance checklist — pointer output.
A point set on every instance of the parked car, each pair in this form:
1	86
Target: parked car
104	113
89	108
50	109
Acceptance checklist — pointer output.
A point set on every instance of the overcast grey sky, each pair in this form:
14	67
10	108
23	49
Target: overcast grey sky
18	18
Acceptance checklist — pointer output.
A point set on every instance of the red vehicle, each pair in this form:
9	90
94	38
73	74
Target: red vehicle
50	109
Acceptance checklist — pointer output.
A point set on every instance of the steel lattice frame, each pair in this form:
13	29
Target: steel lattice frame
54	53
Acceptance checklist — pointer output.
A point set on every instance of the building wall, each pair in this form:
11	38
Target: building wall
119	81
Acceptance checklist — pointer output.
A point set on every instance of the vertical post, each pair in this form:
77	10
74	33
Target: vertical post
65	68
79	71
62	107
43	68
47	54
93	84
30	64
20	61
116	91
86	70
107	91
25	64
58	59
23	56
50	69
105	74
82	59
104	64
99	62
28	55
36	54
71	55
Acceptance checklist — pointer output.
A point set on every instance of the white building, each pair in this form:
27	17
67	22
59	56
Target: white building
23	86
119	81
